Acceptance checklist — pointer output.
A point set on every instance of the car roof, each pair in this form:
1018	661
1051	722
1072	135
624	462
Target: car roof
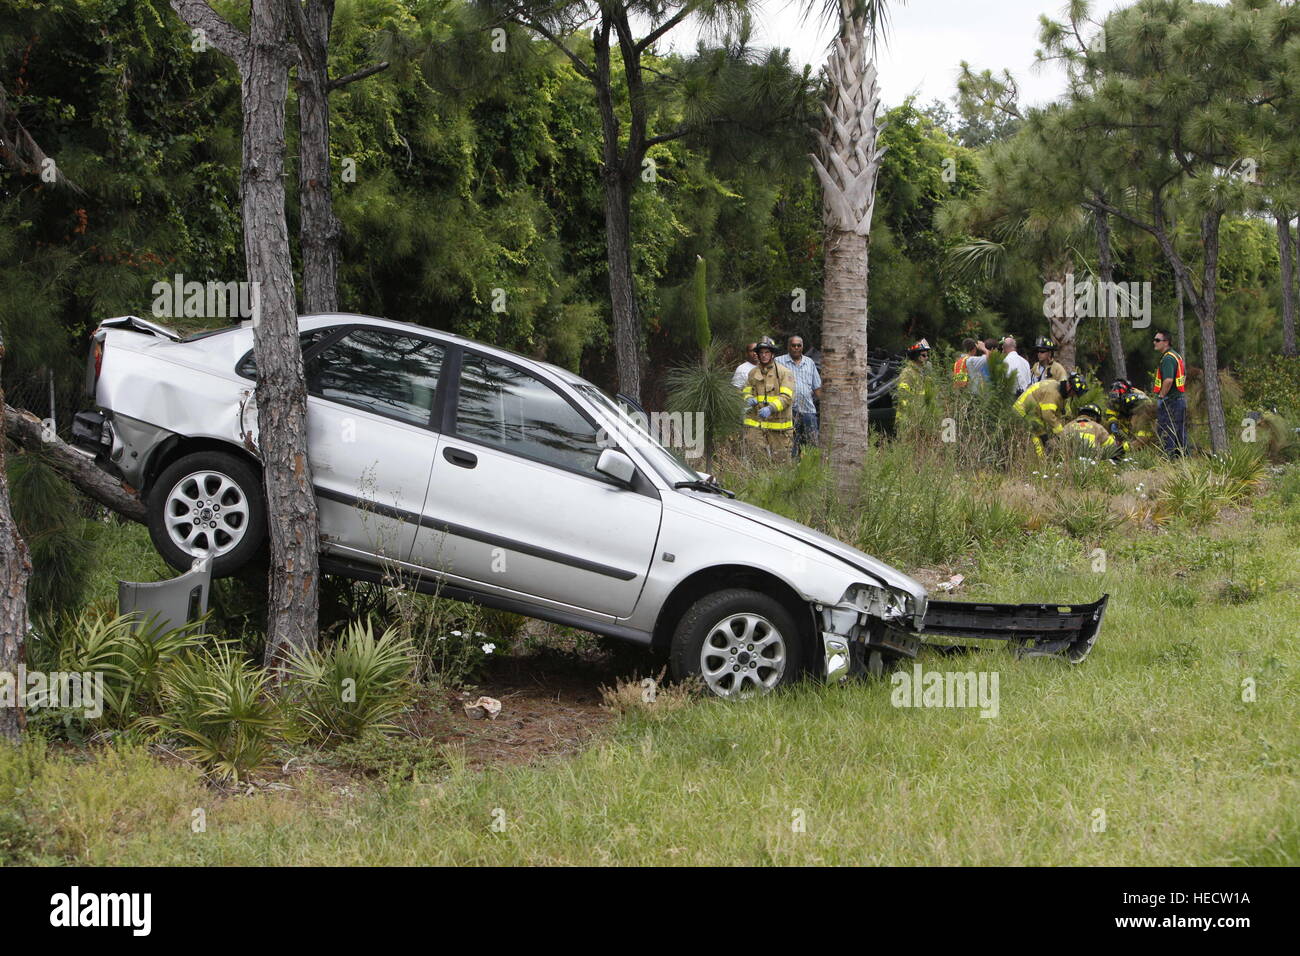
318	319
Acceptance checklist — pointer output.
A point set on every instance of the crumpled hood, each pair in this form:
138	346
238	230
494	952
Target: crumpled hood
865	562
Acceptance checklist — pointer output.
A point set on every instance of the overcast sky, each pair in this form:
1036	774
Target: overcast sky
928	39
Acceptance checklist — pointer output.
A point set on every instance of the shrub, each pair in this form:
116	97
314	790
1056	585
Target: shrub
356	684
1273	383
127	657
61	546
393	758
219	706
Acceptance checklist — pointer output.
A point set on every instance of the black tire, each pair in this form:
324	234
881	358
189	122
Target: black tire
247	529
704	617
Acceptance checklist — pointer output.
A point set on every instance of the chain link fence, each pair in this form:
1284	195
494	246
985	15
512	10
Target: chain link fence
52	396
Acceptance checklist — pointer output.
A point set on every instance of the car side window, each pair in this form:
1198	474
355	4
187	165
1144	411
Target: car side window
379	371
506	408
247	366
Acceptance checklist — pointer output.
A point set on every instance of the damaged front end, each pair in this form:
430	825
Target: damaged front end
871	627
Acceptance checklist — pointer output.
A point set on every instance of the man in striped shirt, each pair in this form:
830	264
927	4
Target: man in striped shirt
807	386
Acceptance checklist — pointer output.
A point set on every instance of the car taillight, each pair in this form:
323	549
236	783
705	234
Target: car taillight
99	359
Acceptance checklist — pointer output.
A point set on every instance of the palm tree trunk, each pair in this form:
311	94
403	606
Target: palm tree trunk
845	370
848	168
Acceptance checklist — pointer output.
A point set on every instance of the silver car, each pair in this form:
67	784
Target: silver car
494	478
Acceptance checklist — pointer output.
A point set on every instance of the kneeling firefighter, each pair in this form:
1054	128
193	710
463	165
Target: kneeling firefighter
1042	405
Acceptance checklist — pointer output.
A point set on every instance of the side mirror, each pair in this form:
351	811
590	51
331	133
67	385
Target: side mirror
614	464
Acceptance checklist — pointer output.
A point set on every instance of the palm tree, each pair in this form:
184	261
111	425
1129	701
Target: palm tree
848	167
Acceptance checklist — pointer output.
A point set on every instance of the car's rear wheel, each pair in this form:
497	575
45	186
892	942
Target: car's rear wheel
740	643
208	504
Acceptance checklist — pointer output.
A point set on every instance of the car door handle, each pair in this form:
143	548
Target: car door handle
463	459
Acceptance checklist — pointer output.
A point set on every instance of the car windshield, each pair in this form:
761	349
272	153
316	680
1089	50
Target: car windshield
629	426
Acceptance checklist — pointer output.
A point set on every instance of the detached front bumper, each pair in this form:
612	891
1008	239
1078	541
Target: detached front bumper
853	636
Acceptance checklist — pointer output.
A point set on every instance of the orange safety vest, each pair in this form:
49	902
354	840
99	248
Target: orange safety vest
960	377
1180	379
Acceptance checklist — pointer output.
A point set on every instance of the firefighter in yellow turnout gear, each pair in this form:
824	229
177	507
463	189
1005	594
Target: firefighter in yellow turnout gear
1089	436
769	402
911	393
1131	415
1042	405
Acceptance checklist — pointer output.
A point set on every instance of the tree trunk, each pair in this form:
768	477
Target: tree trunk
17	568
845	370
1106	271
622	286
618	187
1182	320
281	390
1289	276
26	431
319	229
1064	327
1207	315
848	176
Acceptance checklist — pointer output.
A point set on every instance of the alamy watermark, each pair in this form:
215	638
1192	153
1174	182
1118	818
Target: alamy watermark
921	688
176	298
684	430
1090	298
63	690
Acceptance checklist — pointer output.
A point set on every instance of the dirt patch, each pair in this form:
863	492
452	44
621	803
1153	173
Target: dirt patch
549	708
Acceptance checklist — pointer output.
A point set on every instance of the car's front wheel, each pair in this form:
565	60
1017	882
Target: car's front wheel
739	643
208	504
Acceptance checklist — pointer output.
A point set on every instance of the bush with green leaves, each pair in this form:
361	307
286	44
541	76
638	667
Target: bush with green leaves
356	684
59	539
219	707
1272	383
127	655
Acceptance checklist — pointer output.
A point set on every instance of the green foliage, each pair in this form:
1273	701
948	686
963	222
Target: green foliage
220	708
705	389
61	546
1200	488
703	334
1272	383
127	657
358	683
392	758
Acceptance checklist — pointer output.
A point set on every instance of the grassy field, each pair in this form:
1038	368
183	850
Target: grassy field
1150	752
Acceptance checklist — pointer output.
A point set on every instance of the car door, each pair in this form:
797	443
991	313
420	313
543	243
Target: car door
370	406
515	503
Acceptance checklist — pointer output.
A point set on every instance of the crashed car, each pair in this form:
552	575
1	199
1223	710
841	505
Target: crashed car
467	470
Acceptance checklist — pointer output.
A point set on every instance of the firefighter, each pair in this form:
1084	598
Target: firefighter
1042	405
911	382
1130	415
1046	366
1088	431
769	399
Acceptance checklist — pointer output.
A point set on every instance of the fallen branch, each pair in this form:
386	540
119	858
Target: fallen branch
28	433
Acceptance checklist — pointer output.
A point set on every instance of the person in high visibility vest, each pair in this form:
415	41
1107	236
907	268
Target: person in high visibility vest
1046	366
1171	400
769	398
910	394
960	374
1089	436
1130	415
1042	405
